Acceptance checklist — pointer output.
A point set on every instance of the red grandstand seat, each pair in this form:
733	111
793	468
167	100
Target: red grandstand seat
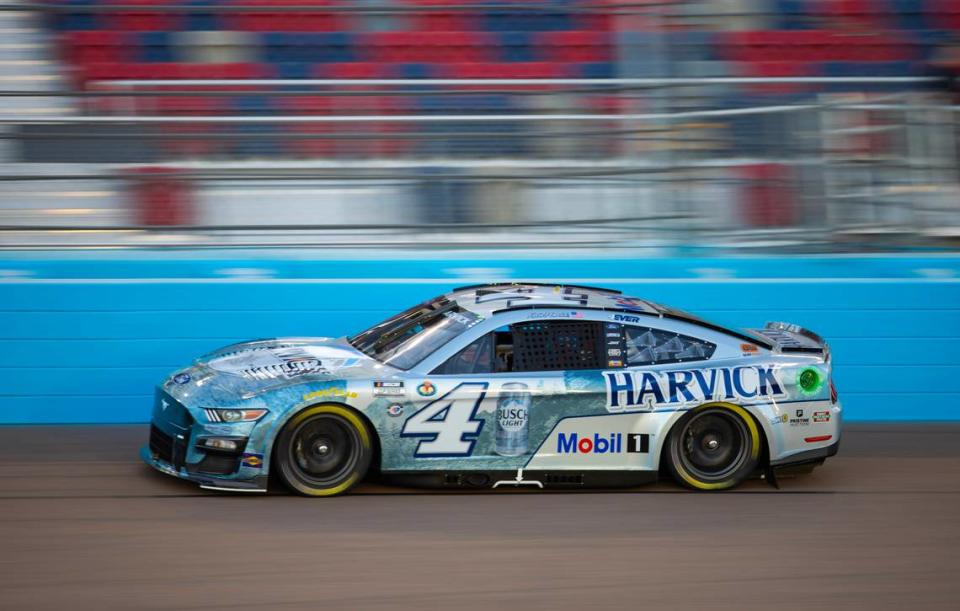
307	104
144	19
430	17
767	194
175	71
429	47
190	105
575	46
506	70
286	17
350	70
96	46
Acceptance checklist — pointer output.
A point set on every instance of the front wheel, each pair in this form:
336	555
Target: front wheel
714	447
323	451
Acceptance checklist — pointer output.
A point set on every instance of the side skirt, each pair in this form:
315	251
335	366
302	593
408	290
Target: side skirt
569	480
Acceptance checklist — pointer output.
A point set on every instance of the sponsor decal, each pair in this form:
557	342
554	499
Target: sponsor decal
395	409
164	405
798	419
334	391
638	390
626	318
630	303
613	352
614	363
748	348
821	416
181	378
613	326
781	419
611	443
381	388
613	335
556	314
426	389
460	318
283	362
294	366
448	425
251	460
513	419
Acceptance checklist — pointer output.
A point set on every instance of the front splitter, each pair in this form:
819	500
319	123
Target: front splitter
258	484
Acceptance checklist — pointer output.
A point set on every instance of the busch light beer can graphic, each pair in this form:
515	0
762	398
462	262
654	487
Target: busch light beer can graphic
513	419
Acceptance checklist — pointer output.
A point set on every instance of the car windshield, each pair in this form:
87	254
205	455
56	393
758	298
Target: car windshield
407	338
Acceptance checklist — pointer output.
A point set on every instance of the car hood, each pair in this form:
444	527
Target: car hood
248	369
287	359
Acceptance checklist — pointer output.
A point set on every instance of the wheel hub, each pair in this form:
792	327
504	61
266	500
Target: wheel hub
713	445
321	447
324	448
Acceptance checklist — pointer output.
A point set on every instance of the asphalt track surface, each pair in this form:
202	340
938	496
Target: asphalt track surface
83	525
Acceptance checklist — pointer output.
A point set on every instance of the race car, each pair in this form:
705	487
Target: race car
503	386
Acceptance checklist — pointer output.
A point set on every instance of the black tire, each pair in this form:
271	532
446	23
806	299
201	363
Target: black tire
714	447
324	450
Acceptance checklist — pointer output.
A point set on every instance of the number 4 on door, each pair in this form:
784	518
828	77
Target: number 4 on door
448	424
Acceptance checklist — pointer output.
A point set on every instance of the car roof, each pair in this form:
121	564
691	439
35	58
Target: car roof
488	299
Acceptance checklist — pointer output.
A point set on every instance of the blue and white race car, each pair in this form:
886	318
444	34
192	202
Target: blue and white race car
498	385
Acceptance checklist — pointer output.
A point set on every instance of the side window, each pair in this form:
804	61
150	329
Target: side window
476	357
558	345
647	346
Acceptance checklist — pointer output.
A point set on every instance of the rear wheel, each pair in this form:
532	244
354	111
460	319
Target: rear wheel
323	451
714	447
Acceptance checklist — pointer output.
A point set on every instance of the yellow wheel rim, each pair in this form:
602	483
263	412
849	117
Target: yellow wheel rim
752	431
350	416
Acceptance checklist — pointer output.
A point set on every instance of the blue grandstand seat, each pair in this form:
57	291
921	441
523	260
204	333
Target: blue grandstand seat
155	47
477	104
693	46
532	21
866	69
257	145
253	104
598	70
910	14
79	20
202	21
414	71
516	47
294	70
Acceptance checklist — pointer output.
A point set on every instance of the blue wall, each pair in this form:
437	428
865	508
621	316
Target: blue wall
84	337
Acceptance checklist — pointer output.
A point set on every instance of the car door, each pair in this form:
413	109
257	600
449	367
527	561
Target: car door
473	411
493	403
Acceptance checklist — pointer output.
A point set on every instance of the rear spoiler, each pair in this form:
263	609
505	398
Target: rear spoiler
794	339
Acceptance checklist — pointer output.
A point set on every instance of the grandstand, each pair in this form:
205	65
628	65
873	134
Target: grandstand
681	115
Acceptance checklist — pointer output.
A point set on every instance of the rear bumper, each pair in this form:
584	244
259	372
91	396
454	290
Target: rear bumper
808	456
257	484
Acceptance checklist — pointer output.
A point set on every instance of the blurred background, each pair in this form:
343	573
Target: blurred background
818	125
175	176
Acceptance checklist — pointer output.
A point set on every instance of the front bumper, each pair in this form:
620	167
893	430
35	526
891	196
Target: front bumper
177	446
257	484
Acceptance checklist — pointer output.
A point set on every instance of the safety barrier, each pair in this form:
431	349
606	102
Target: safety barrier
86	336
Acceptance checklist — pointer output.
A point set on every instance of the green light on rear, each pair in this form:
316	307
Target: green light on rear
810	381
